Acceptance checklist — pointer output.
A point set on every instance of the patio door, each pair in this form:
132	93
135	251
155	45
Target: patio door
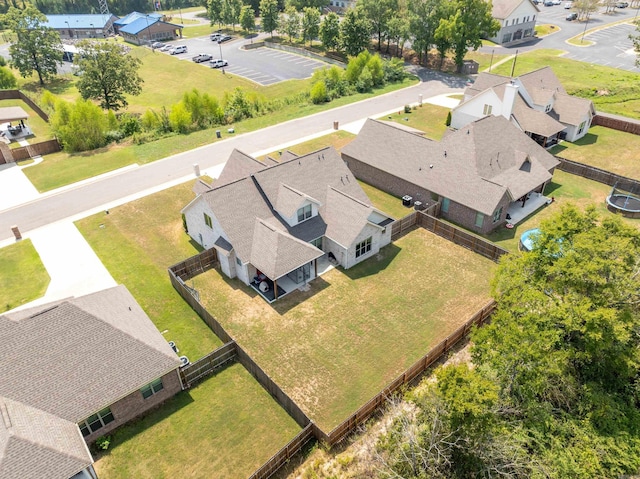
301	274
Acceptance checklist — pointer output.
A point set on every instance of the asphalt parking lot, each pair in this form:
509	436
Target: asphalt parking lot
264	66
611	47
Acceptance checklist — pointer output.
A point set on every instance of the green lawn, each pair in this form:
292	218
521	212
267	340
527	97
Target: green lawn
385	202
61	169
337	139
137	242
611	90
545	29
336	346
430	119
612	150
39	127
23	277
226	428
564	188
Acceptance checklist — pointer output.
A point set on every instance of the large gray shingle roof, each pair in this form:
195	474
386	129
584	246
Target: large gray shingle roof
249	209
466	166
35	444
81	355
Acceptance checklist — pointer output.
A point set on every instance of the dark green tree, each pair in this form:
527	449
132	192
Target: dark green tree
214	11
300	5
355	32
310	23
107	74
37	48
247	18
470	22
289	23
7	79
330	31
79	126
378	12
269	14
231	12
424	17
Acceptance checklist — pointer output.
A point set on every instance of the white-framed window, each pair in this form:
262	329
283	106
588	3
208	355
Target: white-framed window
581	127
96	422
304	213
207	221
445	205
487	109
479	219
497	214
238	262
152	388
363	247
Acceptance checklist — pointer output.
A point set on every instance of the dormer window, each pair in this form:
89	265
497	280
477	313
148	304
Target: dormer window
304	213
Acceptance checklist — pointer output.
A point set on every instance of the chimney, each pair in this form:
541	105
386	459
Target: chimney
510	92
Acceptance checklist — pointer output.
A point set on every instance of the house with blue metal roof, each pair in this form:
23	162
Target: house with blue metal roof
81	26
144	28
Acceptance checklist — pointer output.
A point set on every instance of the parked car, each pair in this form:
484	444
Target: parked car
223	38
568	5
215	36
218	63
166	47
178	49
156	45
622	5
548	3
202	57
571	17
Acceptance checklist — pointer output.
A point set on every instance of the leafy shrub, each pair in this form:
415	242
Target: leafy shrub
80	126
7	78
150	120
365	81
237	106
319	92
394	70
129	125
103	442
407	108
111	136
180	118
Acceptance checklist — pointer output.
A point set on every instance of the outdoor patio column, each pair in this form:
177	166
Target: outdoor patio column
275	289
315	267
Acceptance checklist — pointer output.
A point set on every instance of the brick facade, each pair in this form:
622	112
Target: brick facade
134	405
456	213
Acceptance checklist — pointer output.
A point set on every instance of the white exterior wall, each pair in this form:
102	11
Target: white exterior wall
473	109
243	272
338	251
572	131
225	265
376	240
293	220
522	11
196	227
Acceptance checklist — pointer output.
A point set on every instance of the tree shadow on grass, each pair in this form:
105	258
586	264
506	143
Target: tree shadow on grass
375	264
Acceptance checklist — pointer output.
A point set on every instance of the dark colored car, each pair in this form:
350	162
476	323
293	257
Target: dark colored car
202	57
223	38
571	17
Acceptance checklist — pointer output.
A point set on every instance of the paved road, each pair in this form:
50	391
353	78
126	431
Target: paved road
612	45
87	197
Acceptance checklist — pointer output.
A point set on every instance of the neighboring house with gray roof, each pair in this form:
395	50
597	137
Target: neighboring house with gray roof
76	368
517	20
478	174
535	102
272	221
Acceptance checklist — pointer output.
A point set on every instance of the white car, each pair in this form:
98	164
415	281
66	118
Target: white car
178	49
568	5
218	63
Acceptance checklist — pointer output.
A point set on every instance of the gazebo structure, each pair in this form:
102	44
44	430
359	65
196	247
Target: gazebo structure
12	123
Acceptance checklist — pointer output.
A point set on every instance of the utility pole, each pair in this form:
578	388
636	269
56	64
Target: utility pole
104	11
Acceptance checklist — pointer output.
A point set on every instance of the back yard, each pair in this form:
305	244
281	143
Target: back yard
226	428
335	346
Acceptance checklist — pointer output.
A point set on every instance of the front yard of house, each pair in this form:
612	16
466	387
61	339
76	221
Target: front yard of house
337	345
430	119
226	428
137	242
23	277
607	149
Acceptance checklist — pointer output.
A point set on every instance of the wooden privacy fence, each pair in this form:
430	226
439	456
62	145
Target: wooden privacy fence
617	123
403	225
207	365
195	265
372	406
461	237
18	95
281	457
597	174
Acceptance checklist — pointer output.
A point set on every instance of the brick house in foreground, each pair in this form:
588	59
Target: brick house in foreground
273	222
73	371
476	173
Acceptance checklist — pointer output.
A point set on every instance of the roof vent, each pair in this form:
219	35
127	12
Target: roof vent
430	166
